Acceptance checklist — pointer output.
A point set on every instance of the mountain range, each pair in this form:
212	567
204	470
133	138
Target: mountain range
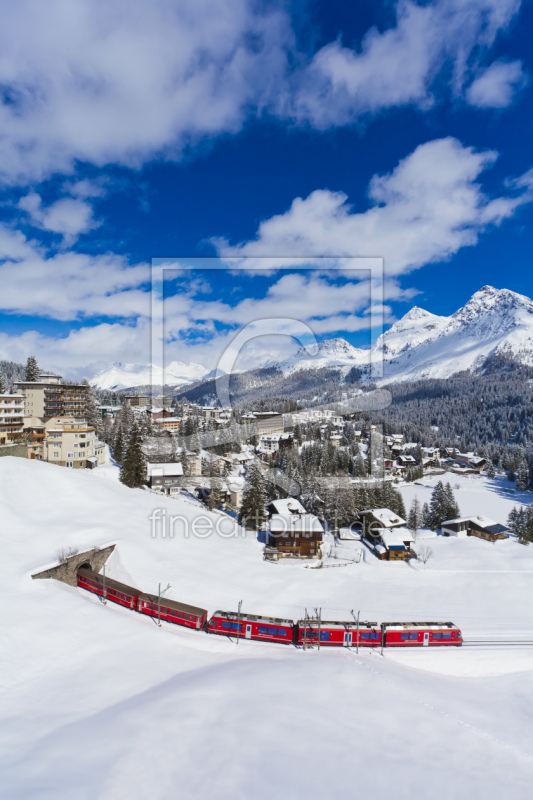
126	376
419	345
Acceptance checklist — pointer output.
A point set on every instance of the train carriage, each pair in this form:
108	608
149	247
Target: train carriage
172	611
108	588
421	634
251	626
338	634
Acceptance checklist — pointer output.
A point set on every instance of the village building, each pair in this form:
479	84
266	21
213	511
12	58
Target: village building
67	442
386	534
296	535
138	400
272	442
288	506
11	417
48	397
167	423
481	527
166	477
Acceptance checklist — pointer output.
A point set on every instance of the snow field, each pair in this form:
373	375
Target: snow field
99	702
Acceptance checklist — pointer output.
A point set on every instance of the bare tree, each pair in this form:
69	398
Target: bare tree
424	553
64	553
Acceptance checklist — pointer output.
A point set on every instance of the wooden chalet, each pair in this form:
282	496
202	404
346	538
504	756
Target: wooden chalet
481	527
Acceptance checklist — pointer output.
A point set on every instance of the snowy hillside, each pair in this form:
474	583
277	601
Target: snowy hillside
330	353
424	345
493	321
99	702
125	376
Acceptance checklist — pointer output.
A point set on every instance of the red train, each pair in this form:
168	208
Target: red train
168	610
273	629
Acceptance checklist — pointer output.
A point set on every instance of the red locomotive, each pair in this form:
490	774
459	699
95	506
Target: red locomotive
272	629
420	634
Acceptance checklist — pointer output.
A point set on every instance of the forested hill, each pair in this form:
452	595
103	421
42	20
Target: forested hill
12	372
474	410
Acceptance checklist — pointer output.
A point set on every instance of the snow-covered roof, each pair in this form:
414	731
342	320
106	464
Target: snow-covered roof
293	522
395	537
167	469
166	419
290	505
385	516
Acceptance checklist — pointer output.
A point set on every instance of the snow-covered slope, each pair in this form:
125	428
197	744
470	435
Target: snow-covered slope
99	702
123	376
422	345
330	353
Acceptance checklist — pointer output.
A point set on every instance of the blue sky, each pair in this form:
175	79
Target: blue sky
240	129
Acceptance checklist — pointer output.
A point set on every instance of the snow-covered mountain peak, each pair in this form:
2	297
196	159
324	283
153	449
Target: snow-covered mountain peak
124	376
333	348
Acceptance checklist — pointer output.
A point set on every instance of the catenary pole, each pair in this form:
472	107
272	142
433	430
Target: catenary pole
238	619
159	596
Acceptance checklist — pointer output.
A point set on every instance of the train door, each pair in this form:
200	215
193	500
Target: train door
426	638
248	631
347	638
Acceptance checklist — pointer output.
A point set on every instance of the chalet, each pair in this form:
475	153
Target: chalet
391	544
295	535
406	461
288	506
166	477
481	527
379	518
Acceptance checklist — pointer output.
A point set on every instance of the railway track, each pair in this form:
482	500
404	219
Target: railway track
499	643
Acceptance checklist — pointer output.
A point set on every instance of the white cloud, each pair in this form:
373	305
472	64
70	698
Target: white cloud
124	81
400	65
68	216
67	286
128	81
424	211
497	86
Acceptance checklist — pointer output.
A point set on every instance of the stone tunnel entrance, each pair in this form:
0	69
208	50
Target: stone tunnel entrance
67	570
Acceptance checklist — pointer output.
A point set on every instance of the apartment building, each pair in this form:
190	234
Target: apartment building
66	441
11	417
48	397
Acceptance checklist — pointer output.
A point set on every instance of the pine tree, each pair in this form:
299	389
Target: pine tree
32	370
489	469
3	385
92	414
522	476
425	516
415	519
252	512
437	507
118	446
451	508
133	472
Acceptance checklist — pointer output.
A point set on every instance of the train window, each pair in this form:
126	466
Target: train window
413	635
367	636
437	635
282	632
180	614
226	624
262	629
404	637
324	636
374	635
273	631
446	636
236	626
